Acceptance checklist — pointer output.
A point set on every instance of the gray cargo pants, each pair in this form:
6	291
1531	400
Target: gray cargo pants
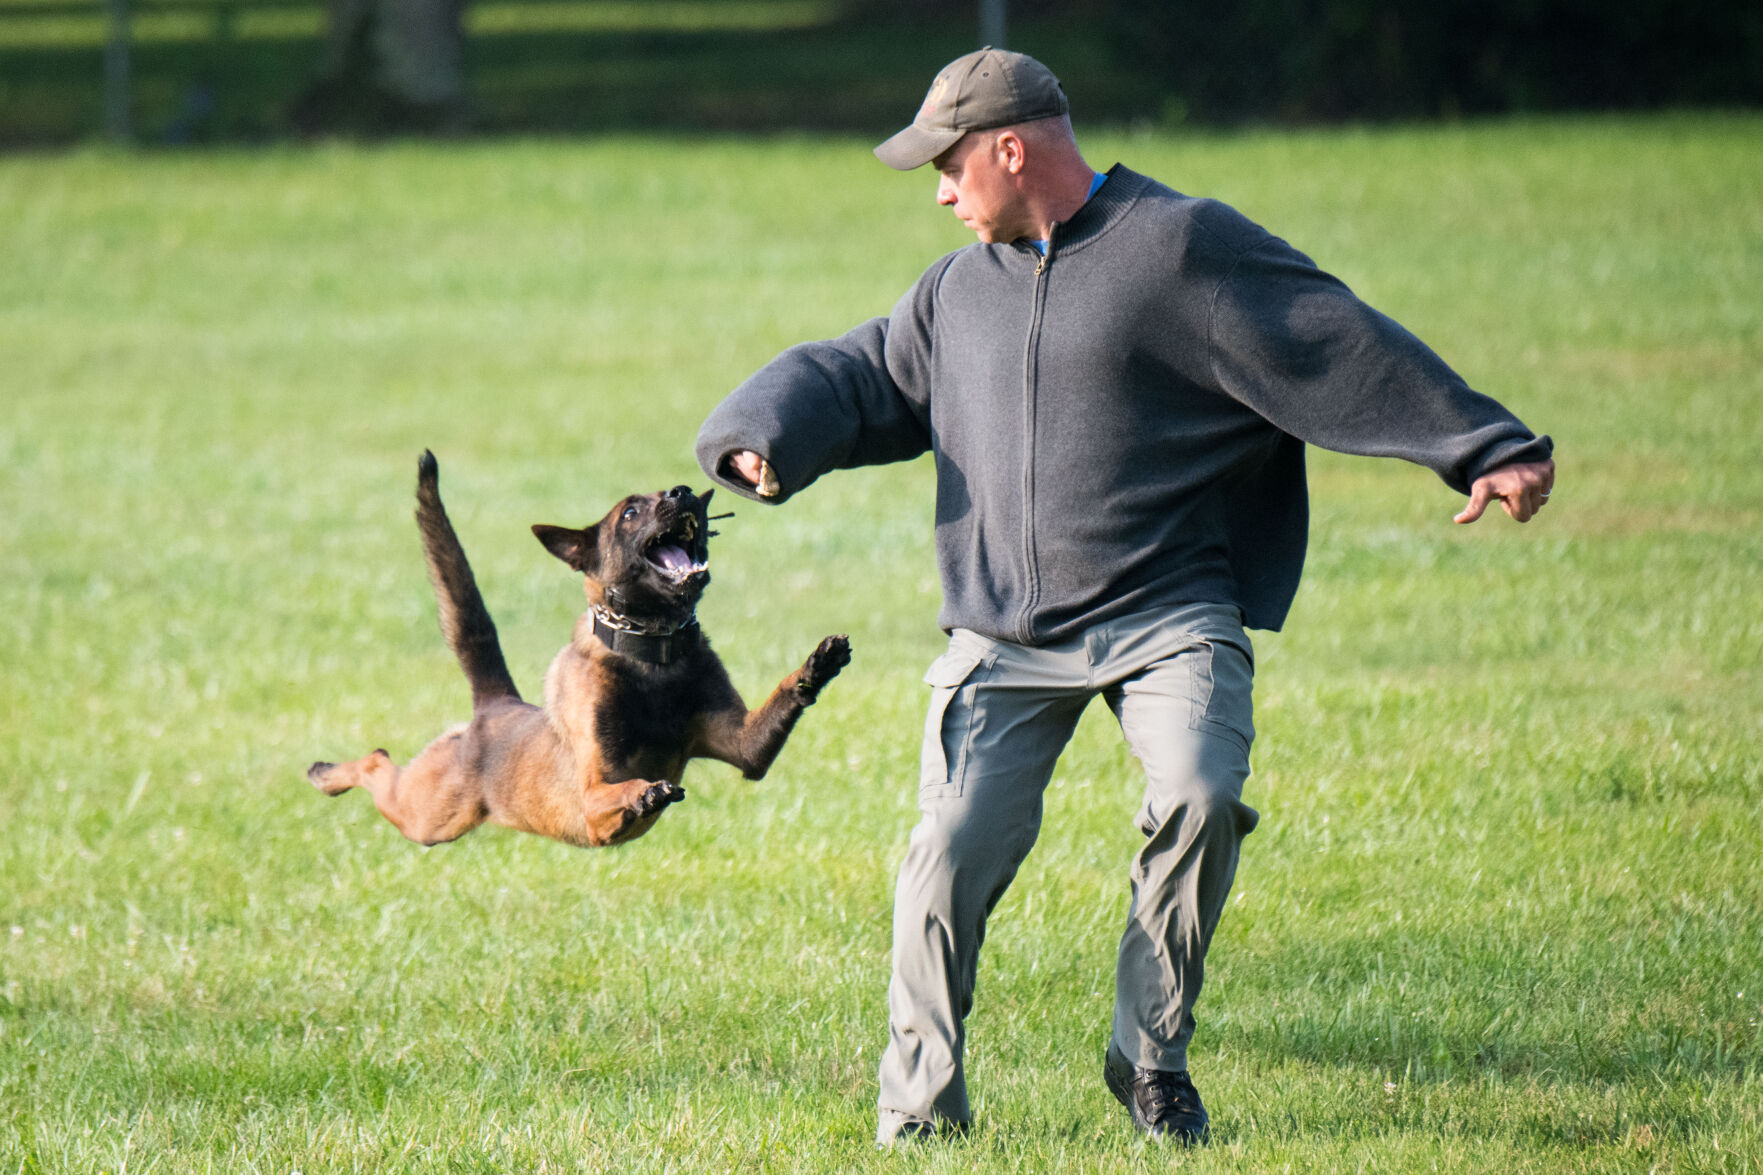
1178	681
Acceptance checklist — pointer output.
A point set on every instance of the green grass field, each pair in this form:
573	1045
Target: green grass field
1504	910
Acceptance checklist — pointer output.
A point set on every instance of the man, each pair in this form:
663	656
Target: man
1116	384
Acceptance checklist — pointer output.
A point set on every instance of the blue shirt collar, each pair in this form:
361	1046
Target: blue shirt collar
1096	182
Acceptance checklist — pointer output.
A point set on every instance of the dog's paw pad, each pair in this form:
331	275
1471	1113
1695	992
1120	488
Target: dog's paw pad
659	795
824	663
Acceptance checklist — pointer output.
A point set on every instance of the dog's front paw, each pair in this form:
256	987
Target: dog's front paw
823	664
659	795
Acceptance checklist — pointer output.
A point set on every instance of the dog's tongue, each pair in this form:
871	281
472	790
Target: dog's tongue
673	558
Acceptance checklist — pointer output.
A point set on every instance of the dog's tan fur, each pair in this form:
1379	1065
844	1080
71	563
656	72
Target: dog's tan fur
600	761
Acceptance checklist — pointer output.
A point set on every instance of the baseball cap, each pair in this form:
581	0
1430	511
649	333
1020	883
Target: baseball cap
987	88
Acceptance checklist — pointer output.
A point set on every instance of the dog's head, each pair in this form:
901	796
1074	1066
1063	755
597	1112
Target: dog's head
647	559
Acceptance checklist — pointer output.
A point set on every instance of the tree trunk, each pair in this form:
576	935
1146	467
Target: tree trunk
388	66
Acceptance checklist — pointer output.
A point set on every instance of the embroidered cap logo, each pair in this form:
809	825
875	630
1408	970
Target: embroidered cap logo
935	97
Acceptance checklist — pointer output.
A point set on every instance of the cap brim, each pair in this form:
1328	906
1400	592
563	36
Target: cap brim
915	147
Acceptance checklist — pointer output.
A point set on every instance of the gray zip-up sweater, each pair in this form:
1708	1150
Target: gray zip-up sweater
1120	425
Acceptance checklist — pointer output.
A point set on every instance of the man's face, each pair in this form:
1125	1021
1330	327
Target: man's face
976	180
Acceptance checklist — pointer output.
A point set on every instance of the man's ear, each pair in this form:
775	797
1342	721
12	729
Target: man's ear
578	548
1011	152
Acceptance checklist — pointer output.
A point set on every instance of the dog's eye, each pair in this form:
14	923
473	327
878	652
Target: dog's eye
630	512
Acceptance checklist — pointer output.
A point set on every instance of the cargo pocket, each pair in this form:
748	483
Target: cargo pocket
949	722
1222	686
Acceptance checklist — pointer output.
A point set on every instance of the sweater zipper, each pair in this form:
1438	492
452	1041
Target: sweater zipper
1031	562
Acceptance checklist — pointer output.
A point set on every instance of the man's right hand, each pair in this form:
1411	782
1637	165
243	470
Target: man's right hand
751	468
746	465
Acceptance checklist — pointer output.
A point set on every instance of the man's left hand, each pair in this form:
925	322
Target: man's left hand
1522	489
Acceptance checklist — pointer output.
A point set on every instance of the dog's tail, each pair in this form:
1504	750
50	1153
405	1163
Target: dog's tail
465	622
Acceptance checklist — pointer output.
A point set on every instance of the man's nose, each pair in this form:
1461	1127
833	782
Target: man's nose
946	194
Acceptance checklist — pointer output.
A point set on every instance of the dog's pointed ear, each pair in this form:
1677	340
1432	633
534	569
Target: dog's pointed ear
578	548
706	495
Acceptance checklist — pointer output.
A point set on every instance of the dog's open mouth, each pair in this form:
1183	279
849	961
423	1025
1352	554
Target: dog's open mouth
670	552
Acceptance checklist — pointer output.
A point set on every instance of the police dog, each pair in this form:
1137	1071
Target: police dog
635	694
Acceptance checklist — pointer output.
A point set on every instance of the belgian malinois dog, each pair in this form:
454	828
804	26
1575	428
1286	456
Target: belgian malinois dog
635	694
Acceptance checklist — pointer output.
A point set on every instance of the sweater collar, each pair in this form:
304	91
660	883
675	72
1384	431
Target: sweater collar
1101	212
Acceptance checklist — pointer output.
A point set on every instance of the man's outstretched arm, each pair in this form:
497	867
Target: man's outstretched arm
816	407
1303	351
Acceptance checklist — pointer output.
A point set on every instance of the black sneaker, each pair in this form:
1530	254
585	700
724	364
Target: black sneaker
1163	1102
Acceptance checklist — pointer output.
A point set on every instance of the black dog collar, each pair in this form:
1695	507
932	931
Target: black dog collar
655	648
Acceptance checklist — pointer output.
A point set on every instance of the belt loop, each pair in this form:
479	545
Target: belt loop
1096	644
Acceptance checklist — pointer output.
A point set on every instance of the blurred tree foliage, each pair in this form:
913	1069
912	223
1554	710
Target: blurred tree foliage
573	66
1373	59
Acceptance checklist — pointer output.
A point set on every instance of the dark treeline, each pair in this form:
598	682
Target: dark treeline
411	66
1324	60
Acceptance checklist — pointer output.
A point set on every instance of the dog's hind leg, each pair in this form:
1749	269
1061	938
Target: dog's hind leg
429	799
333	779
620	812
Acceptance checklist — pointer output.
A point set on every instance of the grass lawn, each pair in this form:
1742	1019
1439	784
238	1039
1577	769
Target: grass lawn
1503	912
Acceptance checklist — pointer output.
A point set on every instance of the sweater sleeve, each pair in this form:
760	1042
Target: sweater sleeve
828	405
1294	344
